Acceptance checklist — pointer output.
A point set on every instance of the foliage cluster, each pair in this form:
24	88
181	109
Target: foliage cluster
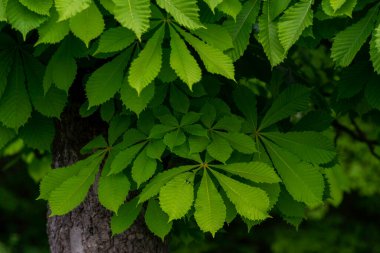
193	128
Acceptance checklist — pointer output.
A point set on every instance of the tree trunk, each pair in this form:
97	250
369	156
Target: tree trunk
86	229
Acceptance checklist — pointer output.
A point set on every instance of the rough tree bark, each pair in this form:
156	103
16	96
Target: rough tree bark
86	229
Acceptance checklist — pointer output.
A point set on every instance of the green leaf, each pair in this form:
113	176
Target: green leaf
15	107
96	143
156	220
38	133
214	60
292	100
126	216
145	68
348	42
22	19
190	118
132	136
80	27
106	80
50	104
133	14
118	126
158	130
174	139
338	183
133	101
216	36
63	69
41	7
177	196
69	8
289	207
336	4
250	202
143	168
276	7
124	158
3	7
197	144
303	181
155	149
52	31
308	146
6	135
178	100
73	191
295	20
115	39
107	110
345	10
113	191
240	142
268	36
240	30
210	211
374	51
185	12
154	186
182	62
230	7
220	149
255	171
213	3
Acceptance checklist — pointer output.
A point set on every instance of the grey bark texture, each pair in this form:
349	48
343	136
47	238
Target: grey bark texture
86	229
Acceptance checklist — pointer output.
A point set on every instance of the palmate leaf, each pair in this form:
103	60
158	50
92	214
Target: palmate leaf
80	27
15	107
176	197
349	41
69	8
155	185
185	12
21	18
250	202
268	36
276	7
308	146
293	99
182	62
214	60
294	21
258	172
230	7
210	211
156	220
146	67
133	14
240	30
113	191
115	39
240	142
106	80
303	181
126	216
245	101
53	31
220	149
41	7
